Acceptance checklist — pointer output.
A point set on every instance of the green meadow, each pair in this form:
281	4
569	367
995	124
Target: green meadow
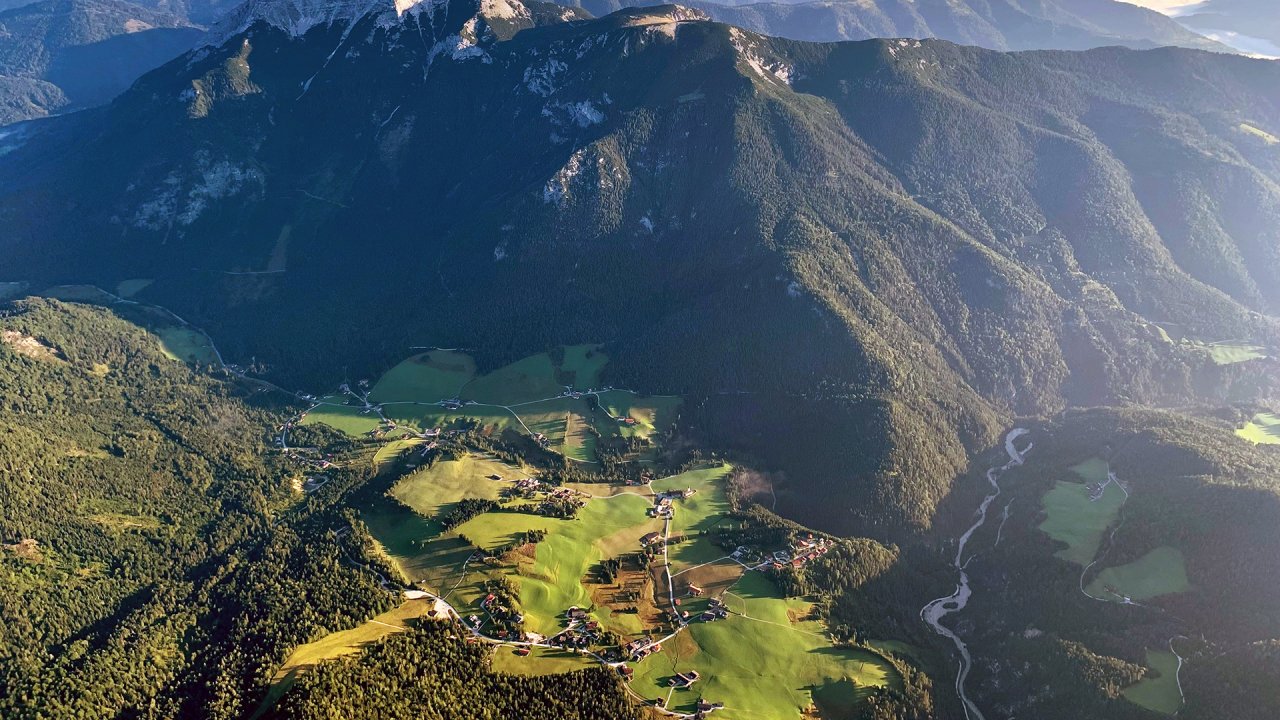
697	514
1230	353
582	365
129	288
431	492
349	419
523	381
185	344
1158	692
553	581
769	659
764	662
1160	572
12	289
1074	519
1263	429
526	396
651	413
540	661
429	378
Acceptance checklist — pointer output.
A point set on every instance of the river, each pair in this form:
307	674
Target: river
935	611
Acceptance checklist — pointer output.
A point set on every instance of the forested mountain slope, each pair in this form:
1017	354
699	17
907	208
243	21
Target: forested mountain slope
156	558
995	24
951	235
60	55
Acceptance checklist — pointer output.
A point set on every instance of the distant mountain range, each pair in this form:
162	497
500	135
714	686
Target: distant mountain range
1242	23
858	260
60	55
996	24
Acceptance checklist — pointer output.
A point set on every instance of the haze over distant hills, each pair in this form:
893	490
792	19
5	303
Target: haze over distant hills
996	24
59	55
1251	26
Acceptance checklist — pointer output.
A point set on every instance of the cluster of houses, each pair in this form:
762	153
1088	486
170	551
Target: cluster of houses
1095	490
803	551
310	460
525	485
562	503
645	478
640	649
582	632
716	610
663	504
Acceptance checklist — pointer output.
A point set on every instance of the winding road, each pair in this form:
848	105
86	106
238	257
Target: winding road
935	611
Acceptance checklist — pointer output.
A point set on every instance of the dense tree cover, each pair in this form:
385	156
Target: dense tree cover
142	569
1237	683
466	509
857	267
431	673
1194	486
156	562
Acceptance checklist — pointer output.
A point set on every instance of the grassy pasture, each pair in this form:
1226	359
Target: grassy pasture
79	293
349	419
554	580
431	492
186	345
1230	353
542	661
1159	693
12	289
1263	429
429	377
696	514
424	417
1076	520
1160	572
551	418
764	662
651	412
526	396
1258	133
768	660
129	288
579	440
533	378
582	365
394	449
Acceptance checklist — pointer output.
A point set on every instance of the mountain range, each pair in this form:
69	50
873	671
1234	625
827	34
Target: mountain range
1247	22
63	55
954	236
996	24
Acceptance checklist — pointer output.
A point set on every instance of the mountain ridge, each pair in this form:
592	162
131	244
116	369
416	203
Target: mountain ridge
954	235
994	24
